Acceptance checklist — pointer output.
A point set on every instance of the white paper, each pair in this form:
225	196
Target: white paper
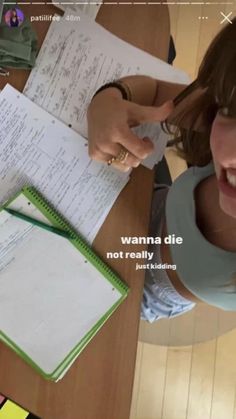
159	139
76	59
63	296
37	149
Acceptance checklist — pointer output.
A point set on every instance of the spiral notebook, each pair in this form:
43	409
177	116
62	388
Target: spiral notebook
55	293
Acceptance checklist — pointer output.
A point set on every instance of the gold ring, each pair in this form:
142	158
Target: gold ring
122	156
110	161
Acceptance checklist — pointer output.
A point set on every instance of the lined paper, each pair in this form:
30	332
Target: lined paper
38	150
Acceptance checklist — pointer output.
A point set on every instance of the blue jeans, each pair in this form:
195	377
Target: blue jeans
160	298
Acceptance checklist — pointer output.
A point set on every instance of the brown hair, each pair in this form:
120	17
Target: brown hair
216	80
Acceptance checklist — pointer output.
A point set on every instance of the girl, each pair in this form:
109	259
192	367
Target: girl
14	21
200	206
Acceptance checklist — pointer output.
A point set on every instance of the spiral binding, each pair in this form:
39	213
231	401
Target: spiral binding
65	225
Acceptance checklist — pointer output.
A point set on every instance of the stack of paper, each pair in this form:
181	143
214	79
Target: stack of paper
86	57
37	149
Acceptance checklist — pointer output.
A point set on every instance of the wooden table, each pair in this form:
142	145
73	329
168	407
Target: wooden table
99	384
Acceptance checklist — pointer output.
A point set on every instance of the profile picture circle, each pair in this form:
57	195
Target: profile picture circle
14	17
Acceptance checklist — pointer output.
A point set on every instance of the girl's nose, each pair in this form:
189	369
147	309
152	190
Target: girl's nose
224	145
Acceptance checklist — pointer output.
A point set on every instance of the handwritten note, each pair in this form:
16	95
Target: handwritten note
37	149
77	58
12	235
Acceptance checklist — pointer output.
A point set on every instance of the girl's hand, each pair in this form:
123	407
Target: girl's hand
109	121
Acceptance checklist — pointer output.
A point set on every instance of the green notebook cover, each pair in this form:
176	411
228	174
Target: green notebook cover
80	244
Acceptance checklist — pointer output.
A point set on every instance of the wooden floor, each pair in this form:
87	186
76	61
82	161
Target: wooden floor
195	381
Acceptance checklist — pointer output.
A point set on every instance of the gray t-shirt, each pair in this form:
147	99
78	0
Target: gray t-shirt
207	271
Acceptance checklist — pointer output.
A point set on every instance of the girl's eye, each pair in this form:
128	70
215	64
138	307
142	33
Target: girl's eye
227	112
224	111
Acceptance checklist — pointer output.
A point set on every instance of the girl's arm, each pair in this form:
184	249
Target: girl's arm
147	91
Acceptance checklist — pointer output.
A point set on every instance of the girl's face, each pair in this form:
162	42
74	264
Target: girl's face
223	147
